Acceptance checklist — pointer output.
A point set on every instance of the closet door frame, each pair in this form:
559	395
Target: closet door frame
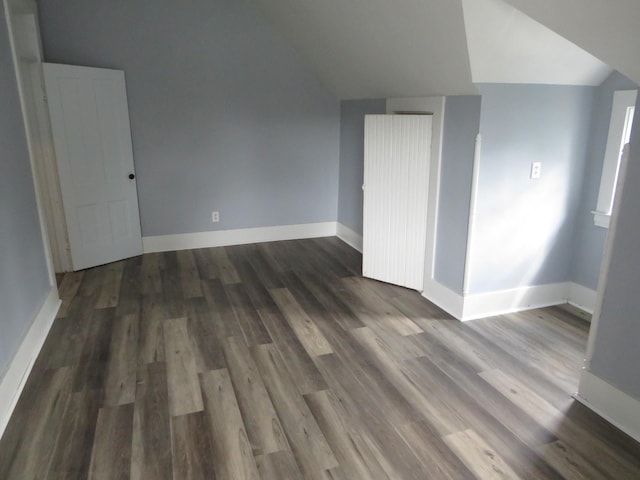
434	106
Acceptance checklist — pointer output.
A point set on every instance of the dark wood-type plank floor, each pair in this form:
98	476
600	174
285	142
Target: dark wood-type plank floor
279	361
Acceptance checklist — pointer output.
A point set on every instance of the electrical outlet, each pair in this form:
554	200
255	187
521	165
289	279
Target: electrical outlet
535	169
215	217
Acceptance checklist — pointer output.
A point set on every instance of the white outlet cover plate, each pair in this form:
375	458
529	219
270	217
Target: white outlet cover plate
535	169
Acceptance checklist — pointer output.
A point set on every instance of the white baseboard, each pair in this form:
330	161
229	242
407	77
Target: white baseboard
582	297
349	237
501	302
513	300
14	379
445	298
221	238
612	404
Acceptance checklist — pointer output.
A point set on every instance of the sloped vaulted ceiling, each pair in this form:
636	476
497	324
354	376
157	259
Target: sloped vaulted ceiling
379	48
507	46
383	48
608	29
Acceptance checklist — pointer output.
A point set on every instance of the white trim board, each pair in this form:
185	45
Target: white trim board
348	236
501	302
490	304
582	297
10	9
445	298
242	236
13	382
612	404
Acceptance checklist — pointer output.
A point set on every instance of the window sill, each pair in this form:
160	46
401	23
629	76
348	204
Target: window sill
601	219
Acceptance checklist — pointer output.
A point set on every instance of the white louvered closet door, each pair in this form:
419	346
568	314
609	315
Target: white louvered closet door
396	181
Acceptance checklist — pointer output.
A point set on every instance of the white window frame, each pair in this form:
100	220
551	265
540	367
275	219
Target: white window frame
622	111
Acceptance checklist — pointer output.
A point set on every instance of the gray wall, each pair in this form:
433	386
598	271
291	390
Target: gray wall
461	125
525	228
224	115
24	281
616	354
589	239
352	114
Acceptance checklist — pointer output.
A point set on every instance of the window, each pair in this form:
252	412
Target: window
622	111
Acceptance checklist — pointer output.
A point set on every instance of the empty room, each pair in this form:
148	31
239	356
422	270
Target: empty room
286	239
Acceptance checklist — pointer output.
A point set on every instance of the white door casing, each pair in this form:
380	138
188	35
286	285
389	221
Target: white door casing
396	185
22	25
92	139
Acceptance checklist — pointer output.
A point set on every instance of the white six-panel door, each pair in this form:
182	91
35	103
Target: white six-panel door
92	138
396	181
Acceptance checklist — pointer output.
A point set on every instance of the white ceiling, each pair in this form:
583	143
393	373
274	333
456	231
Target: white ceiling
379	48
608	29
507	46
403	48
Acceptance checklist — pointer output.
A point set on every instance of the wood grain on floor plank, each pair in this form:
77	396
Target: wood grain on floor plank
278	361
111	453
568	462
263	426
35	426
232	454
192	447
151	456
120	382
110	291
278	465
554	420
479	457
308	444
354	453
182	372
307	331
189	274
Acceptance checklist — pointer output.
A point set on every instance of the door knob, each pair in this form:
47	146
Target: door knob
131	176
